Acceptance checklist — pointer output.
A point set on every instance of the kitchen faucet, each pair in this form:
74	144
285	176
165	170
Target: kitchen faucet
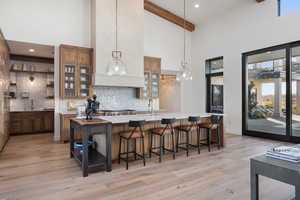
32	105
150	105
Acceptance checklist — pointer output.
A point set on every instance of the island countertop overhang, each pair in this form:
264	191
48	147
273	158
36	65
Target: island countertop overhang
124	119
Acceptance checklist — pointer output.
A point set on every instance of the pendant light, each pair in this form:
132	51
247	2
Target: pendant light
186	73
116	66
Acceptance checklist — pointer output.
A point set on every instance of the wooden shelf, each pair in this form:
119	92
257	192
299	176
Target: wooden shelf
96	159
50	97
13	84
21	71
50	85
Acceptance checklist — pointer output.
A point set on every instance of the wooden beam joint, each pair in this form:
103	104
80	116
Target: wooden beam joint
161	12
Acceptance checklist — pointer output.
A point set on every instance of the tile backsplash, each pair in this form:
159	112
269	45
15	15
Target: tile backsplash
114	98
36	91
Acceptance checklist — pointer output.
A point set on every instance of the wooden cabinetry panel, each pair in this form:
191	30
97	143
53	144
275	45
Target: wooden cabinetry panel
4	89
152	70
68	55
65	128
75	72
31	122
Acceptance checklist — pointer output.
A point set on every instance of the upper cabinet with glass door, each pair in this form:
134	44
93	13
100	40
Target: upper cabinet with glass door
76	71
152	70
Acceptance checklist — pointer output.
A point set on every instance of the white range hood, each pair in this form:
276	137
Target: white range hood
130	41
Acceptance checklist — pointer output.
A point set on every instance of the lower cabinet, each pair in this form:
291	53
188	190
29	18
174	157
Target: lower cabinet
65	127
31	122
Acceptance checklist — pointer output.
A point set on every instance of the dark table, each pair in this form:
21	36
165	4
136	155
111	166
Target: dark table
92	161
283	171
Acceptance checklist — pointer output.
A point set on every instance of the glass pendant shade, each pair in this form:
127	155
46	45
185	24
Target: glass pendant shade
185	74
116	66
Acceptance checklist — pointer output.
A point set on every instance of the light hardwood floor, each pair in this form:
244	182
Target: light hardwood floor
33	167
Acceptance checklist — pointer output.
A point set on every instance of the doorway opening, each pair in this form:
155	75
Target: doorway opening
31	88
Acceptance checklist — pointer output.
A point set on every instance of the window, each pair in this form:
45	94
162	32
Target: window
271	98
215	85
288	6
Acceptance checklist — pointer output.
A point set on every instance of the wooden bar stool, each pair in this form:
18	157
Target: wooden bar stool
161	133
210	127
127	136
188	130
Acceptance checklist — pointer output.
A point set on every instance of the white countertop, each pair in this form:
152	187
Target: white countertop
123	119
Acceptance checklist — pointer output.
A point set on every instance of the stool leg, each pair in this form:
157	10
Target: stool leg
209	139
163	145
198	139
127	155
177	140
219	139
173	146
143	149
161	148
134	141
187	143
151	143
120	145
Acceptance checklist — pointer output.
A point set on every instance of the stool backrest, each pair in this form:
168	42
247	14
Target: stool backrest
136	124
168	121
215	119
194	119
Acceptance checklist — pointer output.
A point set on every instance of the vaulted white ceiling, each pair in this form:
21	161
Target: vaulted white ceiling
207	8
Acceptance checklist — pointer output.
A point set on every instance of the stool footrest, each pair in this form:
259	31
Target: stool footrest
132	159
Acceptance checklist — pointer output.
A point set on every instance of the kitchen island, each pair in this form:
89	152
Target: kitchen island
120	123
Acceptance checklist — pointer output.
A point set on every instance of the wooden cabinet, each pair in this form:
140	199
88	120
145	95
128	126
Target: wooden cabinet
4	91
31	122
76	71
152	70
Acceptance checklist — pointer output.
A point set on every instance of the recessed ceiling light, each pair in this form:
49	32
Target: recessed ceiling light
196	5
31	50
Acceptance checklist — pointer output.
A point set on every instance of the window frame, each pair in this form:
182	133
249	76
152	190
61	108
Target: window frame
209	76
279	9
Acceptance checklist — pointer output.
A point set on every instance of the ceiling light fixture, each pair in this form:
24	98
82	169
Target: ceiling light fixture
186	73
196	5
116	66
31	50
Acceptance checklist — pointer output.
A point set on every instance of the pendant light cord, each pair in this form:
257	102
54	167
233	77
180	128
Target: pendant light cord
184	33
117	25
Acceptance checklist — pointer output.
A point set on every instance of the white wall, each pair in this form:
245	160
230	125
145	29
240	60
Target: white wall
130	40
164	39
249	27
52	22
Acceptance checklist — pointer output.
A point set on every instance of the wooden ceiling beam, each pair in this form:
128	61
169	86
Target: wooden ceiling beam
161	12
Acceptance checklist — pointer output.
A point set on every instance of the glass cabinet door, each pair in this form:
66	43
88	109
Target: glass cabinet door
84	81
146	85
154	85
69	86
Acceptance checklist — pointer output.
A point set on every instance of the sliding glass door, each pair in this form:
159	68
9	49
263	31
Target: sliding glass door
271	92
295	87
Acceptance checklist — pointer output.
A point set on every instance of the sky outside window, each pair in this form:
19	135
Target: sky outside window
269	88
287	6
